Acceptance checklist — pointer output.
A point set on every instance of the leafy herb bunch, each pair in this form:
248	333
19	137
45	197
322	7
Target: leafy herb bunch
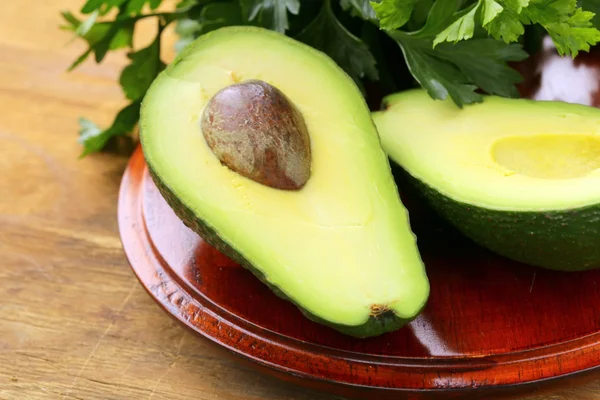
455	48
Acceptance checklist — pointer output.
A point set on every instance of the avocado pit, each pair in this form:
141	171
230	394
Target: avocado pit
256	131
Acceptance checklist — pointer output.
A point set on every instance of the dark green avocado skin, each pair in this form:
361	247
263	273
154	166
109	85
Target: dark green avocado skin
374	326
558	240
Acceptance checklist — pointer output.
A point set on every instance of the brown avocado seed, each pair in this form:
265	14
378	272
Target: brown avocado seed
255	130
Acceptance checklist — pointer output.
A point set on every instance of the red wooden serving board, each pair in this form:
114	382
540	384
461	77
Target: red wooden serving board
492	327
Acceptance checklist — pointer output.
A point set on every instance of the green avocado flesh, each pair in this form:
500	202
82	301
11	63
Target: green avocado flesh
341	247
517	176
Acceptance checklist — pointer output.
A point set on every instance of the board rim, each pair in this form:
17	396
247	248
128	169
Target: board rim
138	245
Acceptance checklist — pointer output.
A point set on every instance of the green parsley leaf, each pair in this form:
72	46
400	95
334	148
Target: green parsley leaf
112	35
484	62
569	27
575	34
593	6
103	6
187	4
363	8
393	14
144	68
94	139
491	9
93	35
80	59
518	5
419	15
506	25
91	6
548	11
461	29
440	79
441	14
135	80
456	70
218	15
327	34
272	14
88	130
136	6
86	25
212	16
105	43
130	7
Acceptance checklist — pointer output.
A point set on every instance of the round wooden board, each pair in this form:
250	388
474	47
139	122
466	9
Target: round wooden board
492	327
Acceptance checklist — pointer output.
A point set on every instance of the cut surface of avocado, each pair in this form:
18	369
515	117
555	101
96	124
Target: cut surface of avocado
340	246
520	177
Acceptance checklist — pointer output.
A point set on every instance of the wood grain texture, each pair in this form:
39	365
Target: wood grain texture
74	321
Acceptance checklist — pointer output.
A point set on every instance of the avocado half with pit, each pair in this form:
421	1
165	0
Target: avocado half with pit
518	176
266	148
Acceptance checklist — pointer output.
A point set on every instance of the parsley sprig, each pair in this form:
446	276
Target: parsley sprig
451	48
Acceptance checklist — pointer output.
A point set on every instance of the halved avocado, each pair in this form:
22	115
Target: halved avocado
518	176
336	242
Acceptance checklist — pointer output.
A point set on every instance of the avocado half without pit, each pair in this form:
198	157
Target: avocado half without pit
266	148
517	176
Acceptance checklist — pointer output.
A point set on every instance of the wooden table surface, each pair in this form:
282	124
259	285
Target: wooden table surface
74	321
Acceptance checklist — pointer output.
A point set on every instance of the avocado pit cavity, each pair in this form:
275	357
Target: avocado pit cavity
255	130
549	156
